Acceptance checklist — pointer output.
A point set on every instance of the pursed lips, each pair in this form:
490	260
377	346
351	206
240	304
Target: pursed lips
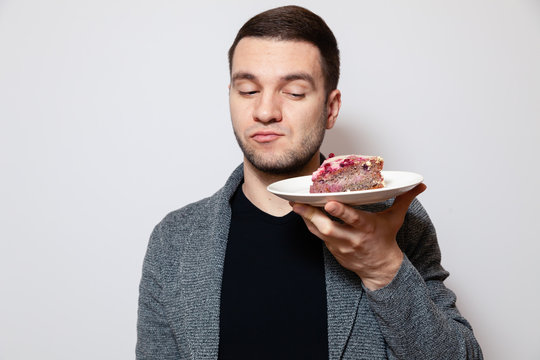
265	136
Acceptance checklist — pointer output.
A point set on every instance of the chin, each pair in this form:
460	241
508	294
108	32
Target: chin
274	159
282	164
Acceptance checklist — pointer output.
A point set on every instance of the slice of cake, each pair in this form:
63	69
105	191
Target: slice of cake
348	173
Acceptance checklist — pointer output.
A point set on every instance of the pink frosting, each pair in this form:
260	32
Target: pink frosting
337	162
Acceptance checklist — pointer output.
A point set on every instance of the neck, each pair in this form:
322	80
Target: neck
256	181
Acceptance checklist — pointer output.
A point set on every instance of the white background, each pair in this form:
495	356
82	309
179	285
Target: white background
114	113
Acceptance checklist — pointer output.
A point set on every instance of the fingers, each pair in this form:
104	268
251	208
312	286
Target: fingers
349	215
317	222
354	217
325	228
305	211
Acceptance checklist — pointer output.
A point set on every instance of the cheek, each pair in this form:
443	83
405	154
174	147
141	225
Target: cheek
307	118
239	114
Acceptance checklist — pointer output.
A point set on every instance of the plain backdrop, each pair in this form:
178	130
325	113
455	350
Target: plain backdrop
115	112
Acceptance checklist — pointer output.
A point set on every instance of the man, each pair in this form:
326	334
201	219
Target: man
247	275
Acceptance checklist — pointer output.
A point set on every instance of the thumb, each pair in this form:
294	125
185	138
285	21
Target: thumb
403	201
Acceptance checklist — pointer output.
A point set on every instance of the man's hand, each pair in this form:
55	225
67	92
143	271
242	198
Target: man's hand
366	242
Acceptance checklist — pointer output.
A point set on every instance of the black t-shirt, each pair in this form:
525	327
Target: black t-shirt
273	297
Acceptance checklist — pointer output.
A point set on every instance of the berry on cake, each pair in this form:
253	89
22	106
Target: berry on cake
348	173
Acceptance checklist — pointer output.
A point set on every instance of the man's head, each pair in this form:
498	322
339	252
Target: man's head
280	99
294	23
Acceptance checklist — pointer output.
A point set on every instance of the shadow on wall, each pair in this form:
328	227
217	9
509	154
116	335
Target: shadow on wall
345	138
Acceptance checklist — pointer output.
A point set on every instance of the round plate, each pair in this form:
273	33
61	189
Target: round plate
297	190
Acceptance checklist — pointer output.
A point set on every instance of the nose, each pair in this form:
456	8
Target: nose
267	108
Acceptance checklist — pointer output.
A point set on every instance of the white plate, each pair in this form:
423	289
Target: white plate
297	190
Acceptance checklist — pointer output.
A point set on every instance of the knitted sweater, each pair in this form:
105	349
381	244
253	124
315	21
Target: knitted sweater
413	317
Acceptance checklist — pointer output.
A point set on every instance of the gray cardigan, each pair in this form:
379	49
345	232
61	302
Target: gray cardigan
413	317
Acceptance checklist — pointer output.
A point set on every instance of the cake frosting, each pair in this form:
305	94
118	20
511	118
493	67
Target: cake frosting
348	173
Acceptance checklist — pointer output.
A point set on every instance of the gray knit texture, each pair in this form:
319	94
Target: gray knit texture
414	317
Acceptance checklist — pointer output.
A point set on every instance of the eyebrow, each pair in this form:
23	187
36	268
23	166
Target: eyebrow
300	76
289	77
242	76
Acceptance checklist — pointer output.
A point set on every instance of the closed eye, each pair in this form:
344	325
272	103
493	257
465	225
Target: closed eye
296	96
247	93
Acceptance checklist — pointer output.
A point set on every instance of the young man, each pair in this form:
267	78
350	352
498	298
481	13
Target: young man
247	275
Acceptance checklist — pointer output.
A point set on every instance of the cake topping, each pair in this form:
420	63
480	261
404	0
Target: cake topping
346	162
360	172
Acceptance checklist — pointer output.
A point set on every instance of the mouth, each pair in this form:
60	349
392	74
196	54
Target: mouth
265	136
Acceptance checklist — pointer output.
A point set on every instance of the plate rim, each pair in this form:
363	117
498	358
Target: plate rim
420	179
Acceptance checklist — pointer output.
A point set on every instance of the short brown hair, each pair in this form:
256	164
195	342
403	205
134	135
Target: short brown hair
298	24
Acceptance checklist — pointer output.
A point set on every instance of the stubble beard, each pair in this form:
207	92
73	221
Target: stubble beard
292	161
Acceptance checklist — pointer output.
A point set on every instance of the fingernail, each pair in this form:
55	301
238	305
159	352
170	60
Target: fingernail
331	208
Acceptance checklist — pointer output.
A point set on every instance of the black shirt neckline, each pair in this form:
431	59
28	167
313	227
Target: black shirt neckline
246	207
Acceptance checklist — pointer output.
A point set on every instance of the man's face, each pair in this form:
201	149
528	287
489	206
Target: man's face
278	103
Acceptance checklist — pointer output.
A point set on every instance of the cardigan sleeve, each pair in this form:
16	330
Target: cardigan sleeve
416	312
155	338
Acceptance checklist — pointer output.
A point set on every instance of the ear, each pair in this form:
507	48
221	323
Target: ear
333	104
